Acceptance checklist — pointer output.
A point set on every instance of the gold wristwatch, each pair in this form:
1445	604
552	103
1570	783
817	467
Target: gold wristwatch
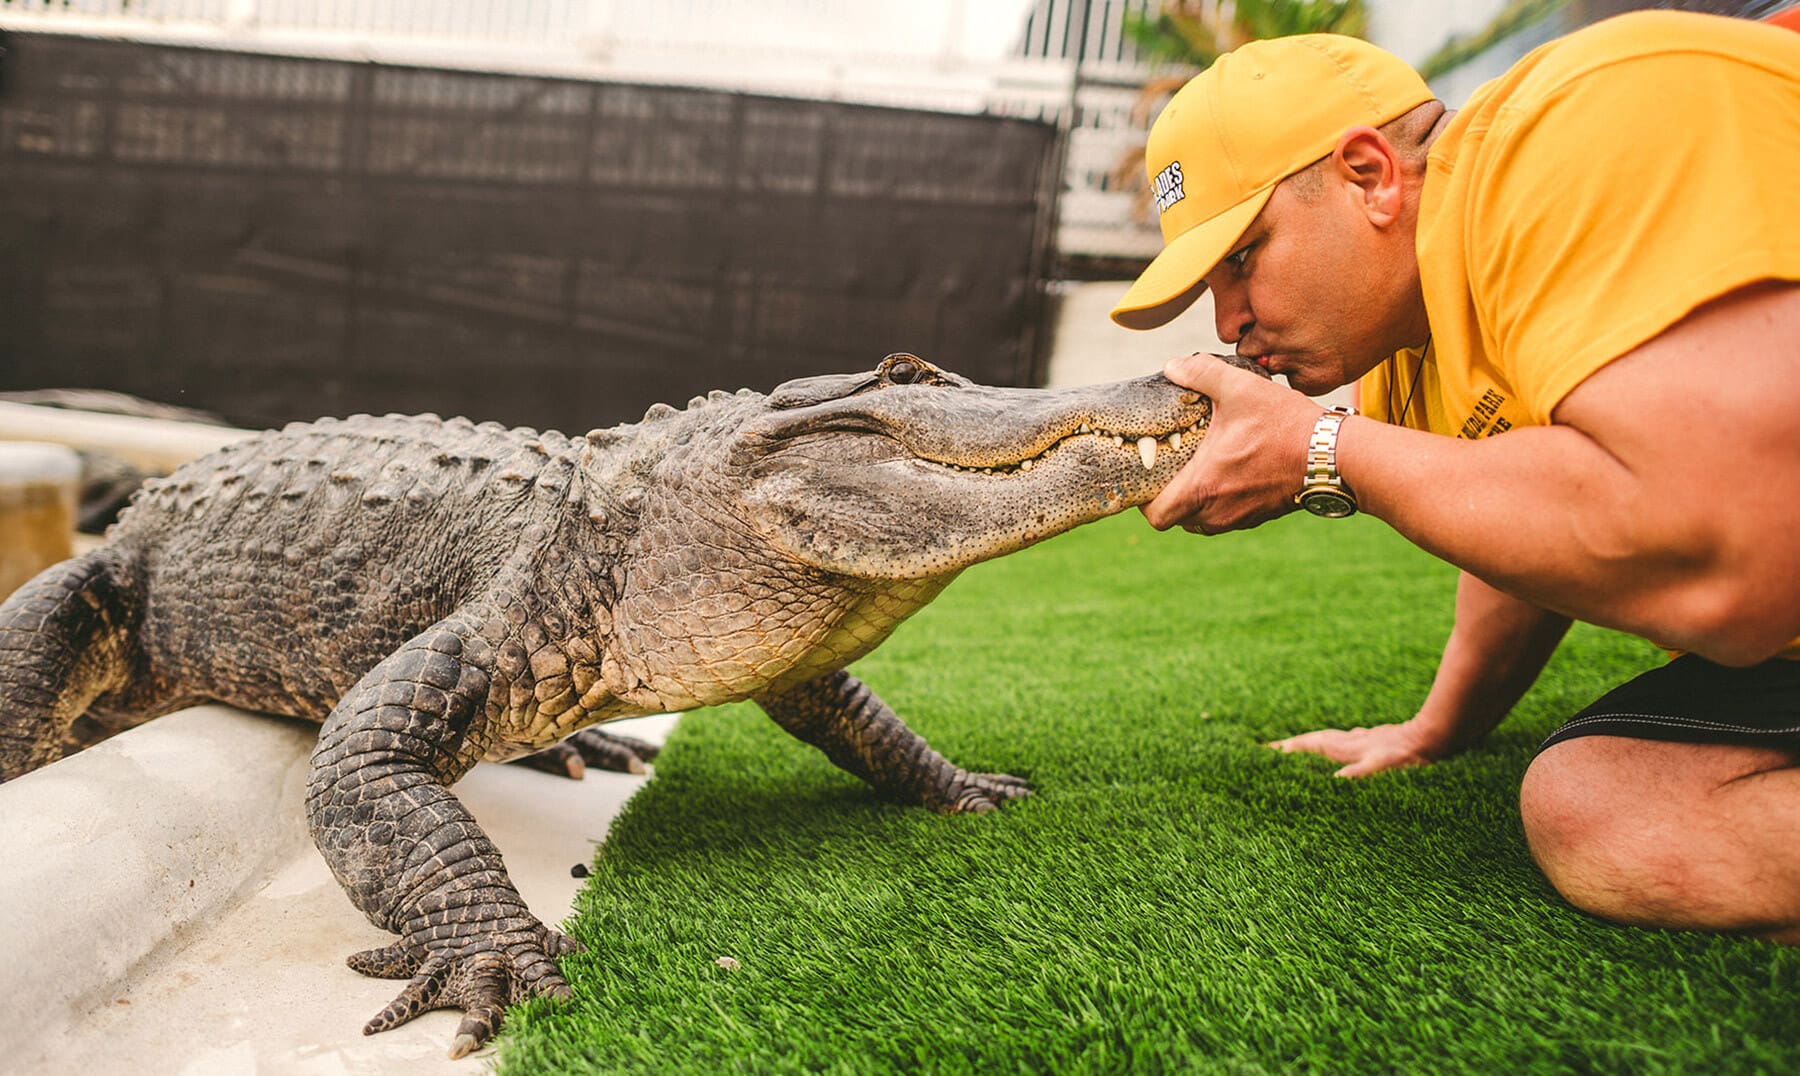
1324	493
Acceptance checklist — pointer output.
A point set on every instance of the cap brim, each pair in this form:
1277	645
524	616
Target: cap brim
1173	280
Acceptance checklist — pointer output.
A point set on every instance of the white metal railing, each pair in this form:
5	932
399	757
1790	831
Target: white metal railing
1058	29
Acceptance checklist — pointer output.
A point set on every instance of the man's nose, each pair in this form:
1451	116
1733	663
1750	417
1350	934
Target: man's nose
1231	313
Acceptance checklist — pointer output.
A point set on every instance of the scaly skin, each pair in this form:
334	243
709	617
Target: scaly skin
439	593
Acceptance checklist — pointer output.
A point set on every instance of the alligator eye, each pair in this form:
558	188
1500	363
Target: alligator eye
901	369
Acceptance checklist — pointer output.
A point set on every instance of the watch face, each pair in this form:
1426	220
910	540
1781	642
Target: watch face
1329	503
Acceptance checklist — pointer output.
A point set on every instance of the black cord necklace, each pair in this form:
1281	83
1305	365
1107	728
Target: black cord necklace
1414	387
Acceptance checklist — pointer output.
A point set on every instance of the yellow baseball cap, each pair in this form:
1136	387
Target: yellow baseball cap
1259	114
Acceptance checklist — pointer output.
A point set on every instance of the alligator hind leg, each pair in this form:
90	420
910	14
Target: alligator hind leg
592	747
840	716
64	638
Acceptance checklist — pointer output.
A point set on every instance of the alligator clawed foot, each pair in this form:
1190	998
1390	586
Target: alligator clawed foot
593	747
979	793
481	976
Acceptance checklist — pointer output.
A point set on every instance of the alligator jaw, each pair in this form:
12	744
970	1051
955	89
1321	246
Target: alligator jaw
921	484
1148	447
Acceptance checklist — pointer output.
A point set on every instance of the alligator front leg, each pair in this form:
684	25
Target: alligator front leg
408	853
840	716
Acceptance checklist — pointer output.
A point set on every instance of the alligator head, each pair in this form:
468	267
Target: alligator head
913	472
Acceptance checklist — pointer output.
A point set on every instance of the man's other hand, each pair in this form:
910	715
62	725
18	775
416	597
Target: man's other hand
1369	750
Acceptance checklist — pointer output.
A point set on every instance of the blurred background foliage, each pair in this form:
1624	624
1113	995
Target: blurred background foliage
1194	33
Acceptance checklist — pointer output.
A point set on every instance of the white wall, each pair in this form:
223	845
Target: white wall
1086	347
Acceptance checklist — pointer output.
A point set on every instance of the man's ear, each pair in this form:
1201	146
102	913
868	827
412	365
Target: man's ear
1365	159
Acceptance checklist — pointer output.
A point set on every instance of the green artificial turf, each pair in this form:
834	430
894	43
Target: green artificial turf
1176	897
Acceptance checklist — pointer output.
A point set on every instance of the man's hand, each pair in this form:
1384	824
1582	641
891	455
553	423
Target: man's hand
1369	750
1493	655
1252	459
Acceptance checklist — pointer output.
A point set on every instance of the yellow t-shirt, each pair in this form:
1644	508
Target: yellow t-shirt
1577	206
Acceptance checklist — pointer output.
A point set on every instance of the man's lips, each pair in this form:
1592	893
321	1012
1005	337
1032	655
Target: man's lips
1272	362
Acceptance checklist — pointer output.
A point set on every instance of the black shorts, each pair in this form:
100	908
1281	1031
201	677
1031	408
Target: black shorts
1691	700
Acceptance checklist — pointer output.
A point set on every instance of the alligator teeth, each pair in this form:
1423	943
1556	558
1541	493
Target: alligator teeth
1025	465
1085	428
1147	451
1118	441
1175	441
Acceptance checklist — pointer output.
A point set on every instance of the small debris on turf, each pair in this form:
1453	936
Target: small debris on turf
579	870
728	963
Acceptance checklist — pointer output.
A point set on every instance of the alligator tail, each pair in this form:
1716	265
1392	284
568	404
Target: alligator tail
65	638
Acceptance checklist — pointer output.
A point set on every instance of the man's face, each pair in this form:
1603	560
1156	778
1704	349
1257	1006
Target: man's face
1313	291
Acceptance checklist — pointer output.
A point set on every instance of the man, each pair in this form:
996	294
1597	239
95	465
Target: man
1573	309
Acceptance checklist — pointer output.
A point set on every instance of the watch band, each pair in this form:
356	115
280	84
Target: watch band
1321	458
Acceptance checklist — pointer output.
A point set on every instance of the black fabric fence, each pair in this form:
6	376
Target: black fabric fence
275	238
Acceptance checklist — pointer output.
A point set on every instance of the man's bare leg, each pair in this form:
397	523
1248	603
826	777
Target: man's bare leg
1672	835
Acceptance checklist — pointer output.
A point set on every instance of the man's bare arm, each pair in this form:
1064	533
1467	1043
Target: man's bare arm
1494	654
1665	501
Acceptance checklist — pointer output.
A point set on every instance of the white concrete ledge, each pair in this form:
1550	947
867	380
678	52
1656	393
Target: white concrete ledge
153	444
167	912
123	849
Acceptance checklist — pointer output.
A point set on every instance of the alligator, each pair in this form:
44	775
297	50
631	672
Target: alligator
438	593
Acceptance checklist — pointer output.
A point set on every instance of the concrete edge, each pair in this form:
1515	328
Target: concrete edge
155	444
116	854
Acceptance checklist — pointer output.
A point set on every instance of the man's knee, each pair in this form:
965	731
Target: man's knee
1632	831
1579	822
